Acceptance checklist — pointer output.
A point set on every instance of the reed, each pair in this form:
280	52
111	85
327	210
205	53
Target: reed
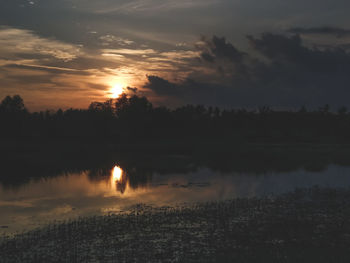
307	225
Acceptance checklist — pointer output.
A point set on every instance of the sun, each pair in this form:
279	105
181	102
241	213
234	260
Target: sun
116	90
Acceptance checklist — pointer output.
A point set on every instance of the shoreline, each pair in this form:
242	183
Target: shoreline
21	161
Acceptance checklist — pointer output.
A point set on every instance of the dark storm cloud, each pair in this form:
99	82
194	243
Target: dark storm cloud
134	90
163	87
287	74
189	91
335	31
223	55
219	48
289	52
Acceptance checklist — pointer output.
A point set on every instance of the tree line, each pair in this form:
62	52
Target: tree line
134	118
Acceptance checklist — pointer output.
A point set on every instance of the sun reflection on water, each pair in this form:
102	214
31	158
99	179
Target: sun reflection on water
117	174
118	179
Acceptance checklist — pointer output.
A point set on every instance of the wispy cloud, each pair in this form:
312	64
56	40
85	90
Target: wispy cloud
180	54
325	30
18	41
125	51
108	40
156	5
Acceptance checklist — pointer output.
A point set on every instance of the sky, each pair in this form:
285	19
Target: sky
227	53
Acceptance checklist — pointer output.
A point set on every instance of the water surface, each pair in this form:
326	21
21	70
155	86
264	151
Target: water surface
107	190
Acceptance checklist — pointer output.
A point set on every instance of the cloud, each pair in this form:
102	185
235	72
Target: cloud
91	42
290	52
326	30
134	90
19	42
189	91
277	69
125	51
280	71
50	69
154	6
163	87
219	48
39	68
180	54
108	40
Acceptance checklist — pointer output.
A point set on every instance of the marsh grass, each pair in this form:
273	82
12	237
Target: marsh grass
307	225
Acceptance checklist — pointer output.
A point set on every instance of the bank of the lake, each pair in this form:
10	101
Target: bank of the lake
309	225
24	159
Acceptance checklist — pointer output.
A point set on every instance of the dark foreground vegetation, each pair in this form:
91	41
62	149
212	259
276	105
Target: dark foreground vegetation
309	225
135	119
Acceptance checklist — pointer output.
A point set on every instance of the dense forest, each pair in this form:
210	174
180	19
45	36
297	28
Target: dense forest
134	118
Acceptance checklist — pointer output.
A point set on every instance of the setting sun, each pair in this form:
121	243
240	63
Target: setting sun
116	90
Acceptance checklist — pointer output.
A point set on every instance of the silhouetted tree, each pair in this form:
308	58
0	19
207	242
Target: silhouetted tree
134	117
105	108
302	109
325	109
13	104
342	110
133	107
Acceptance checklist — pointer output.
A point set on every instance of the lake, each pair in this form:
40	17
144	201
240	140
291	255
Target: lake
114	188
